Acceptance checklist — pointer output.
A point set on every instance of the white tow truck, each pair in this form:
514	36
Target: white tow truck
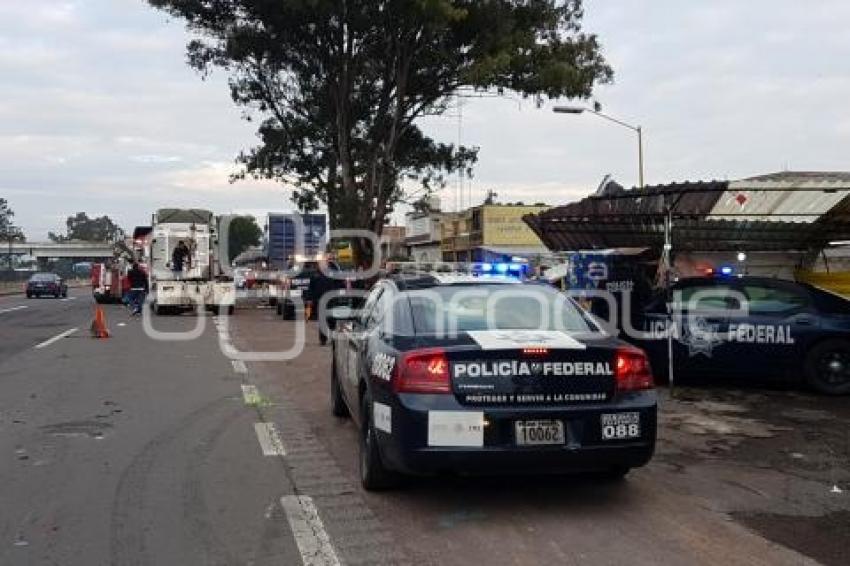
204	280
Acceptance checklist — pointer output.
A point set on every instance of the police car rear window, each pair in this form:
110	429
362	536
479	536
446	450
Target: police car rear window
492	307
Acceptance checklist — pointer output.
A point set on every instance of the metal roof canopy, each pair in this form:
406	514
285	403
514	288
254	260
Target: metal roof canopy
636	217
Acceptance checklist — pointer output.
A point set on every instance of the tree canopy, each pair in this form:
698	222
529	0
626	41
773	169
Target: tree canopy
8	231
243	233
81	227
341	84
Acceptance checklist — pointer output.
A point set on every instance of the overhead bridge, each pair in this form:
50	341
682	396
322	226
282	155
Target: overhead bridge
58	250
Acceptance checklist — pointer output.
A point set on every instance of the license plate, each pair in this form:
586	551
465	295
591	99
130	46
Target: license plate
535	433
295	293
620	426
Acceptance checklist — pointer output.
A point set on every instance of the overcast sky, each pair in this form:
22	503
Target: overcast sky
99	112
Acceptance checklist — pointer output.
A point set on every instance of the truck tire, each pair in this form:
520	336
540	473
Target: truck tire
374	476
338	406
827	367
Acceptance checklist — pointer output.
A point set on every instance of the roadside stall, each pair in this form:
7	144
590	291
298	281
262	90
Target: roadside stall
719	227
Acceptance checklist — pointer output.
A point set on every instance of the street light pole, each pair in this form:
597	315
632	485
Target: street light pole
637	129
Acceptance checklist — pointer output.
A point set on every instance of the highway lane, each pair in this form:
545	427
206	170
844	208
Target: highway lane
25	323
131	450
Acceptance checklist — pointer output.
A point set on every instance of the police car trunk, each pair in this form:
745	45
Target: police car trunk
494	400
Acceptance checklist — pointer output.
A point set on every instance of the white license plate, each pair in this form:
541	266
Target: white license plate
295	293
620	426
534	433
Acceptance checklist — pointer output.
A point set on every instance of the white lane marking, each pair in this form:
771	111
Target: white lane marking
313	541
270	442
11	309
239	366
69	299
56	338
251	394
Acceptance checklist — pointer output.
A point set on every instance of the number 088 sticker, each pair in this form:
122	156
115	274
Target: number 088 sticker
620	426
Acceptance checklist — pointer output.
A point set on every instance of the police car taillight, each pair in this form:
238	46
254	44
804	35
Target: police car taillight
632	370
422	371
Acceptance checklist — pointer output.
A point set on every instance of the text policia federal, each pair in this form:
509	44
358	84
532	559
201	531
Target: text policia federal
740	333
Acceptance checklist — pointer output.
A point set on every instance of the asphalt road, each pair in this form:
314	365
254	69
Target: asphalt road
139	451
130	450
689	506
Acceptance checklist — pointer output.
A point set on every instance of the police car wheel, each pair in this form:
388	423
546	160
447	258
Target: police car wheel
338	406
373	475
828	367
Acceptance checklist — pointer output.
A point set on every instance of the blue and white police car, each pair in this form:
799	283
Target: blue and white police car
469	374
752	327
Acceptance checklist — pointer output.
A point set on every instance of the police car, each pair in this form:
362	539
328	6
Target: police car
457	373
752	327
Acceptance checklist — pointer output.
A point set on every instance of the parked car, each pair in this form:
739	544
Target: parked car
46	284
534	387
749	327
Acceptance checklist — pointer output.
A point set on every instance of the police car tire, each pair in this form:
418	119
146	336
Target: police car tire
373	475
338	406
815	378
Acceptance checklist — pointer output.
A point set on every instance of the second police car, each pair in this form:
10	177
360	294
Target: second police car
749	327
452	373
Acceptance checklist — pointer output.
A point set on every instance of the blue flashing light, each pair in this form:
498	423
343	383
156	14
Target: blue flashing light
502	267
486	267
726	270
514	267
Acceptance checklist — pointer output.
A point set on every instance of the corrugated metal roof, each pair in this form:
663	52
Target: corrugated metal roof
706	216
787	196
798	177
776	206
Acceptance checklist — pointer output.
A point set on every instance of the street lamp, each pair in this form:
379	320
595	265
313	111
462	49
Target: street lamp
637	129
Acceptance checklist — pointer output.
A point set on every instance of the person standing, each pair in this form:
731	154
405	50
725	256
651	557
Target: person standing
180	257
138	287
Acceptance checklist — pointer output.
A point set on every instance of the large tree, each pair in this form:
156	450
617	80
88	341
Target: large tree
243	233
81	227
341	84
8	231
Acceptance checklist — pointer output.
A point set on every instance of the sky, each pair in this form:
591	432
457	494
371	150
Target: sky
100	113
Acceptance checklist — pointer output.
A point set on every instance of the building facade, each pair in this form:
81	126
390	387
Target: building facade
423	233
490	233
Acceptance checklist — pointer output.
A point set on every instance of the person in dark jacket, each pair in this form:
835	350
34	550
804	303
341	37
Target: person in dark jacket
320	284
138	287
180	257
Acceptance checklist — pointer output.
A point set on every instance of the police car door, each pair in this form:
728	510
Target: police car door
780	316
357	338
704	309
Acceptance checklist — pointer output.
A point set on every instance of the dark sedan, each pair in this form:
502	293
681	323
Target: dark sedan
448	373
749	327
46	284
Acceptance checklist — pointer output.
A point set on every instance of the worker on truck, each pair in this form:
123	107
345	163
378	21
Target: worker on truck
180	256
138	287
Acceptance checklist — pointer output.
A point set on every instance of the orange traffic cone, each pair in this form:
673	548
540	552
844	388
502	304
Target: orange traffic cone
98	325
